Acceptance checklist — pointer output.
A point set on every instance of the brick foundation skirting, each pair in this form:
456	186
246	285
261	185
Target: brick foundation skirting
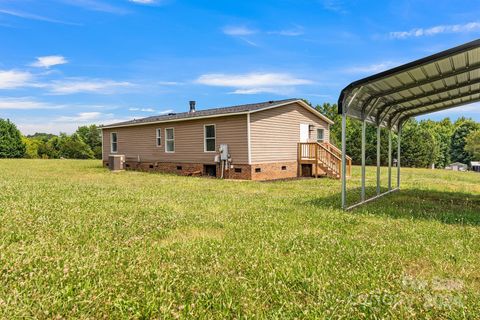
274	170
260	171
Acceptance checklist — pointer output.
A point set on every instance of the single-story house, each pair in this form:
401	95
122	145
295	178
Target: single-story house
260	141
475	166
457	166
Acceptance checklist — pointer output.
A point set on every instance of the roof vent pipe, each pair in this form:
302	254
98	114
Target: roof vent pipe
192	106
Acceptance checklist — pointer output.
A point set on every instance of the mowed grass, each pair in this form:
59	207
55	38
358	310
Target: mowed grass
77	241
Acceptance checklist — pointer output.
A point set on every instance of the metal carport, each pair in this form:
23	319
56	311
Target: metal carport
441	81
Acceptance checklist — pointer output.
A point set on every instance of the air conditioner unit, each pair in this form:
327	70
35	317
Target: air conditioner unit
116	162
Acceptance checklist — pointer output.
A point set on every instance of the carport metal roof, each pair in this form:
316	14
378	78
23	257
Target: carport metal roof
441	81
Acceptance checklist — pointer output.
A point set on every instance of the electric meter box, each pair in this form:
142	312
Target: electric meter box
223	152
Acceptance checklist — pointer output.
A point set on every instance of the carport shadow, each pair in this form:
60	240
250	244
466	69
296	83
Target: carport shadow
446	207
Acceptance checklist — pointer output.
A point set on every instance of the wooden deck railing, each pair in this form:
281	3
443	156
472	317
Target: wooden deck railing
326	155
338	152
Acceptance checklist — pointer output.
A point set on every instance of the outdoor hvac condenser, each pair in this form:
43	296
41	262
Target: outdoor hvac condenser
116	162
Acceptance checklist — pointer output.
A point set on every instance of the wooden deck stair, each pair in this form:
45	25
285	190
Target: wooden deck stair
325	158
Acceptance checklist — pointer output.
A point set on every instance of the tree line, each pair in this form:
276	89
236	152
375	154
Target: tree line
85	143
424	143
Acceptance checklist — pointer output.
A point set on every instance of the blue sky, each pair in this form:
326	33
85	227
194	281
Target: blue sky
66	63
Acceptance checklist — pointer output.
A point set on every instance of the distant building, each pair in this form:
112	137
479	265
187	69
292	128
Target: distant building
475	165
457	166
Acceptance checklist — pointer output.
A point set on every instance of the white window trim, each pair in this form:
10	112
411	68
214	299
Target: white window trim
166	140
205	137
158	135
323	139
111	142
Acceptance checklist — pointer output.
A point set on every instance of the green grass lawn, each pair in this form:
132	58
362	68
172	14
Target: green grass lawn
77	241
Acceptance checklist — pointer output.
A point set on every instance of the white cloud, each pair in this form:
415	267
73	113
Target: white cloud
83	117
251	80
279	90
166	111
254	83
294	32
96	5
337	6
25	103
49	61
92	86
288	33
238	31
10	79
373	68
170	83
144	1
30	16
142	109
80	117
151	110
318	95
250	42
465	110
68	124
420	32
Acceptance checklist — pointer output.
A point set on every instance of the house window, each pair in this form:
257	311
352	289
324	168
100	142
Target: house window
169	140
320	135
113	142
159	137
209	134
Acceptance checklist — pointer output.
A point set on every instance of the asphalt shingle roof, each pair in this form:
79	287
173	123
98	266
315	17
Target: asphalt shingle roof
204	113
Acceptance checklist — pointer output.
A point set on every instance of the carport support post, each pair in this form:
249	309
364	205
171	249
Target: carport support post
399	138
378	158
344	160
389	159
364	129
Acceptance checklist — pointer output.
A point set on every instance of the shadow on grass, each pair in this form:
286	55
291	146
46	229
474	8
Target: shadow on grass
446	207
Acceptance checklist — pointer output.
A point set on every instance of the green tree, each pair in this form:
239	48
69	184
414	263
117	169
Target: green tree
73	147
463	128
472	144
49	149
419	148
31	147
92	136
11	144
41	136
442	133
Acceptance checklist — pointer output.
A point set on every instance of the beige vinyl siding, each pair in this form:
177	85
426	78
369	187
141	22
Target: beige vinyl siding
275	132
140	141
